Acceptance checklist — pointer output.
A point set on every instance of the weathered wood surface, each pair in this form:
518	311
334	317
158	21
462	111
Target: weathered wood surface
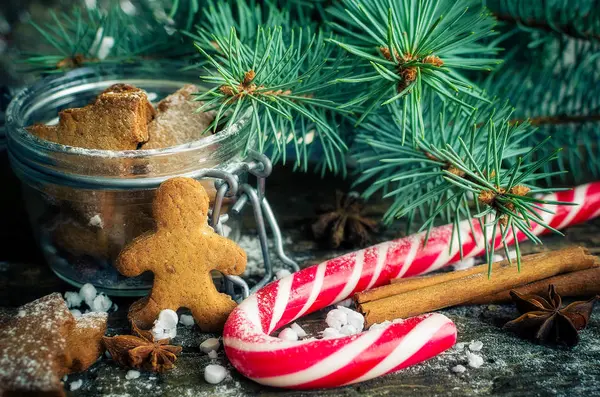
512	367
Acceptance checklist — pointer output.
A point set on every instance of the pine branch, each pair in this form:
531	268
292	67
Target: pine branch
579	20
567	29
284	84
559	98
90	36
559	119
407	47
462	167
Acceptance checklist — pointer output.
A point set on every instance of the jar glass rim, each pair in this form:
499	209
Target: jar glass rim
16	112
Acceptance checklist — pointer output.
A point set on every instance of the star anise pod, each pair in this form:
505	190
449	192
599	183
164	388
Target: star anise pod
142	351
344	224
546	321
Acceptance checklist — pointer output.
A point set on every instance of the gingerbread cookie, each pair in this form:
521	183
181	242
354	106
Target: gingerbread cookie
117	120
181	253
177	121
42	343
84	341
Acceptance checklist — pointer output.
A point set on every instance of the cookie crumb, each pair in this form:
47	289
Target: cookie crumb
214	373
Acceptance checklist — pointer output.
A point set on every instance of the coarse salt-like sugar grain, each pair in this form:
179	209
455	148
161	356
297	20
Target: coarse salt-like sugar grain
336	318
288	334
159	333
281	273
75	385
464	264
214	373
299	330
475	360
96	221
186	320
354	318
331	333
459	346
73	299
212	354
210	344
348	329
459	369
88	293
476	345
132	374
76	313
380	325
171	333
101	303
346	302
168	318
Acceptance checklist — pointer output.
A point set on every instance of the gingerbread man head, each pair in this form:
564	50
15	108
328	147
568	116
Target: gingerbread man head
181	253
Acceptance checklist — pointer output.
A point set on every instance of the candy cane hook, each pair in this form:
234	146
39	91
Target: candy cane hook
336	362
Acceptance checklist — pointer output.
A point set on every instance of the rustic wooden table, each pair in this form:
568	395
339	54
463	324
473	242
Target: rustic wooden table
512	367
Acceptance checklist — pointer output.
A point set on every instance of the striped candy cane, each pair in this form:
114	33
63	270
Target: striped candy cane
336	362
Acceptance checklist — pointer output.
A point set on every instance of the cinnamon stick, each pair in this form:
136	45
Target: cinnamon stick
476	284
402	285
574	284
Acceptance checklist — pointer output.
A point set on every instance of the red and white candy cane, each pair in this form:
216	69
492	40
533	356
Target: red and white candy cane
336	362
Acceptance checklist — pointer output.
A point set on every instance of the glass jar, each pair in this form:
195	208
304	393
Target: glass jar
85	205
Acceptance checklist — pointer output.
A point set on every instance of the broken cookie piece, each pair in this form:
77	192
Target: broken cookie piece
84	341
42	342
117	120
177	121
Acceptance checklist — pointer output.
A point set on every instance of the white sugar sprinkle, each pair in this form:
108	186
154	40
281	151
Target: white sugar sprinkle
329	333
210	344
475	360
73	299
476	346
214	373
75	385
299	330
336	319
76	313
288	334
132	374
459	369
213	354
96	221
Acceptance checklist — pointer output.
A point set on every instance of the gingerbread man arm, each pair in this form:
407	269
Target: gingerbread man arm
130	263
231	258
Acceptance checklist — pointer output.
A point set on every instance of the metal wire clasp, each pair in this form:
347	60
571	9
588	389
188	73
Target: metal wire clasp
227	185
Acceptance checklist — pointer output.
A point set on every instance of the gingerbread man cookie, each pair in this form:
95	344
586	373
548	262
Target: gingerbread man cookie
181	253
